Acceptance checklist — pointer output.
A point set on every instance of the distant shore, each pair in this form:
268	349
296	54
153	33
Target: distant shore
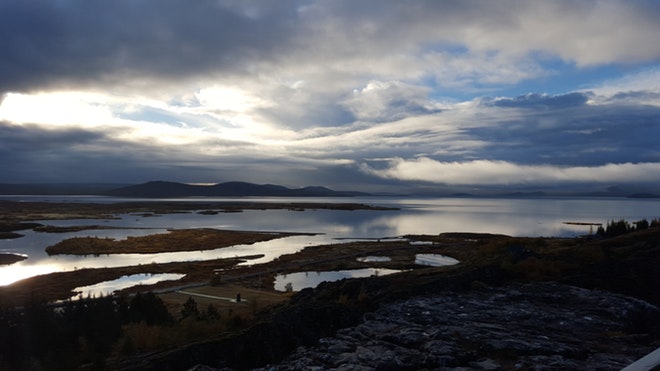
12	212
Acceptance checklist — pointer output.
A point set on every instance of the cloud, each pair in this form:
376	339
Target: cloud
78	43
535	100
389	101
33	153
641	87
559	134
487	172
81	42
566	134
246	89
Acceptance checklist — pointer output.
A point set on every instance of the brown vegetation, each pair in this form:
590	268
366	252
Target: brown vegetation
9	235
175	240
9	258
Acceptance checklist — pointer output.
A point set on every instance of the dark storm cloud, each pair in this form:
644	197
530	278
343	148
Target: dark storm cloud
74	41
297	91
635	97
34	138
33	154
583	135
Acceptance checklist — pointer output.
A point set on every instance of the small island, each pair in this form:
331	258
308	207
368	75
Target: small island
10	258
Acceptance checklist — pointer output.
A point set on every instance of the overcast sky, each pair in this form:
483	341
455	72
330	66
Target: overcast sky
349	94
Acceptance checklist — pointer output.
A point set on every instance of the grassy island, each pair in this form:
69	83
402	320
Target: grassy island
175	240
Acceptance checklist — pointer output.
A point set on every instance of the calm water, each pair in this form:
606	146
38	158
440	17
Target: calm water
301	280
516	217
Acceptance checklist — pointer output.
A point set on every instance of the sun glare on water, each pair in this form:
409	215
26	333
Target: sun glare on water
17	272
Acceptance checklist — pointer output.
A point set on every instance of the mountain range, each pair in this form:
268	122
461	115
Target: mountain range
228	189
163	189
167	189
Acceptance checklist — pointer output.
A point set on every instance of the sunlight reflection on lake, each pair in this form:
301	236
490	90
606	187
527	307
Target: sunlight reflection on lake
515	217
21	270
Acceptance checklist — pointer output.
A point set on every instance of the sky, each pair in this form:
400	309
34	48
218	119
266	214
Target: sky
373	95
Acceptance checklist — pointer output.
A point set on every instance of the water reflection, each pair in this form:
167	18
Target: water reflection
109	287
301	280
434	260
515	217
22	270
372	259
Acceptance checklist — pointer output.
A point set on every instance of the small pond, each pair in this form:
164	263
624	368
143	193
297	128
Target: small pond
109	287
434	260
372	259
303	280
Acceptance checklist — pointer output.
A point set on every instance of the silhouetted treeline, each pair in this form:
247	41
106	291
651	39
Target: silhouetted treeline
621	227
79	332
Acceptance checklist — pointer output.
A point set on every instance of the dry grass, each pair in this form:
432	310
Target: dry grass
176	240
223	298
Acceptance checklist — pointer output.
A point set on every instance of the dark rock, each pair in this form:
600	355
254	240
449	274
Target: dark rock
542	326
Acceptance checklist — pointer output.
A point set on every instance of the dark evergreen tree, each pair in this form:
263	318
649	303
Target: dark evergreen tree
642	224
148	308
190	309
212	313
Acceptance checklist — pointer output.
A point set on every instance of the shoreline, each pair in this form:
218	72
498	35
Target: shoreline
14	212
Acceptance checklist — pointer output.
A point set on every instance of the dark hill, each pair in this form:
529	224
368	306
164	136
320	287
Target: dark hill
156	189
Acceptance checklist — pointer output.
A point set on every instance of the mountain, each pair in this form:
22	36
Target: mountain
156	189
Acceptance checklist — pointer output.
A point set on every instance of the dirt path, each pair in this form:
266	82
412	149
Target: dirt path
234	300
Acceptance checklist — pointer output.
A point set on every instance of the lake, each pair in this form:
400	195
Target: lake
511	216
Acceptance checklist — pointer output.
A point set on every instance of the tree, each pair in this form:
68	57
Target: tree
190	309
642	224
212	312
148	308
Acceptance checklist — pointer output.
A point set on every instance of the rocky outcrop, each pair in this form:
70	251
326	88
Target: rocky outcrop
513	304
541	326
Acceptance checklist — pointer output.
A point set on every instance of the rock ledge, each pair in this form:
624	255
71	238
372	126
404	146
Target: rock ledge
541	326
